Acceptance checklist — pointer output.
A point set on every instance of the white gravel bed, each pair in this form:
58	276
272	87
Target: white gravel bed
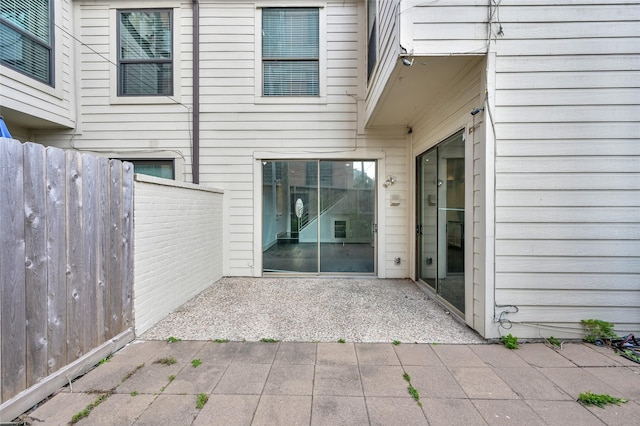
313	310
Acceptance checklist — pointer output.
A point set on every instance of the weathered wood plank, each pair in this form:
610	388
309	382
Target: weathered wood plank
89	236
114	285
127	249
35	261
12	270
102	247
57	259
76	296
12	408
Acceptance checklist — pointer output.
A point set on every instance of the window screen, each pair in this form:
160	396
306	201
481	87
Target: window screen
145	57
26	37
290	51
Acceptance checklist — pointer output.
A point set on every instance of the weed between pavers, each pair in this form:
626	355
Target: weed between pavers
599	400
201	400
172	339
165	361
412	391
87	410
131	373
195	363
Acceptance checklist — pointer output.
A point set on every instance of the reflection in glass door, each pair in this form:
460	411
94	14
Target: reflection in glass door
440	220
318	216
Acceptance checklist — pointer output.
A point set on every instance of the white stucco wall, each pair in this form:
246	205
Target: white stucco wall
177	245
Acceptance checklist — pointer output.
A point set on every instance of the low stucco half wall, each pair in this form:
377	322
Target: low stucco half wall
177	245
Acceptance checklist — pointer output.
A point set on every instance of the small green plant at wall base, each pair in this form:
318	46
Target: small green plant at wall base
554	341
268	340
599	400
202	399
396	342
195	363
341	341
221	340
509	341
598	329
172	339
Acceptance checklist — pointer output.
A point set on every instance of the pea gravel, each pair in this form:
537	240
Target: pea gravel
313	310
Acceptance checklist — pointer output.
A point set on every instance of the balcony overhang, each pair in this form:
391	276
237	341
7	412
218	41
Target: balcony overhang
410	90
28	121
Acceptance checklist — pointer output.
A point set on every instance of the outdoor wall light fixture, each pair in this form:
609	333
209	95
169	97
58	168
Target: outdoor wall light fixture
390	181
476	110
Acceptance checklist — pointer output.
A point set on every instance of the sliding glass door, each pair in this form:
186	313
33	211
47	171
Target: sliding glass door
440	220
318	216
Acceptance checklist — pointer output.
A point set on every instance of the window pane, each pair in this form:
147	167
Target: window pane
146	79
24	54
291	78
290	33
145	35
31	16
158	168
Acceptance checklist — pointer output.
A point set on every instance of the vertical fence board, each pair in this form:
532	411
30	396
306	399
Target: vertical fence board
57	259
12	270
114	308
35	261
75	292
66	263
127	252
102	247
89	248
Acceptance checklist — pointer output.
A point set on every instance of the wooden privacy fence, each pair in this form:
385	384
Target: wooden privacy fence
66	264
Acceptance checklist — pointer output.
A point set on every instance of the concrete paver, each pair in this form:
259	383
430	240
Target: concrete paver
339	411
451	411
256	383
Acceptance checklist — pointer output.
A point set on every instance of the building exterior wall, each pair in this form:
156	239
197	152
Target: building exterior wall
178	245
555	151
567	79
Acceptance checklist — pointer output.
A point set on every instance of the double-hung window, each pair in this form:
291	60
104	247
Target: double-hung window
290	52
26	37
145	52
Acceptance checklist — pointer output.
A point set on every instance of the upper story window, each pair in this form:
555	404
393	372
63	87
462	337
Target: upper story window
26	37
290	52
145	52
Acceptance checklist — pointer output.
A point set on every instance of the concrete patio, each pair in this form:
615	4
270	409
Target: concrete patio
291	383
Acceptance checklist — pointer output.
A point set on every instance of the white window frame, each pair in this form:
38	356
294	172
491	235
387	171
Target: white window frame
114	99
321	98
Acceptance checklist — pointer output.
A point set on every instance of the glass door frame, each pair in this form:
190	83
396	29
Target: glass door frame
467	315
358	188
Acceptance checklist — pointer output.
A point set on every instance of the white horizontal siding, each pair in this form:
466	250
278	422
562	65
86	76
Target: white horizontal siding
444	28
568	163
